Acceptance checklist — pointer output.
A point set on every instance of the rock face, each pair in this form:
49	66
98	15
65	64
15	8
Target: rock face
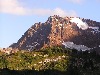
57	30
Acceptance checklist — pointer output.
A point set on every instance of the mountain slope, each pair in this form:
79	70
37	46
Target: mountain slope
57	31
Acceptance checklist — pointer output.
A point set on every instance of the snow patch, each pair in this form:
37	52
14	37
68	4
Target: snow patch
99	45
71	45
31	47
95	29
82	25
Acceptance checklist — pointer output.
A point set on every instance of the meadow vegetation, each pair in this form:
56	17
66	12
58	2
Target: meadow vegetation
50	61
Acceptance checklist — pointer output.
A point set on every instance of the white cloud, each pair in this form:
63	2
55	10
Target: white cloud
61	12
12	7
17	8
56	11
40	12
76	1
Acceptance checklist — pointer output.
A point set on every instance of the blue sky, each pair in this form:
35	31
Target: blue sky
16	16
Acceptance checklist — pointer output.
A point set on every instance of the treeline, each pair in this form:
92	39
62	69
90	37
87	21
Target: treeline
49	58
50	61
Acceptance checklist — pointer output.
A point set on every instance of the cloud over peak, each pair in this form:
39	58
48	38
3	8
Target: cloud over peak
56	11
16	7
61	12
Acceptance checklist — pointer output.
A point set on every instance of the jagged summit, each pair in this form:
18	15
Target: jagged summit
57	31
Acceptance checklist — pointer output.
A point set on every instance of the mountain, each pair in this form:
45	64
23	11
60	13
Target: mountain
72	32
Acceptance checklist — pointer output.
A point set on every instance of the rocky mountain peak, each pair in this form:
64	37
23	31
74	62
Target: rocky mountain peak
56	31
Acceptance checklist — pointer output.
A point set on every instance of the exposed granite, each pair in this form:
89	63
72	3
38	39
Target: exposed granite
57	30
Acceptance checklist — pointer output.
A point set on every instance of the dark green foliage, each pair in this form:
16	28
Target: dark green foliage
27	63
3	62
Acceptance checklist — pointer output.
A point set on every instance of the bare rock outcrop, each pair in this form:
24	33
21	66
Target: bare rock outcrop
57	30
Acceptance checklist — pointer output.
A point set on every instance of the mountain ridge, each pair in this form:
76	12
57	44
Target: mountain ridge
57	30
